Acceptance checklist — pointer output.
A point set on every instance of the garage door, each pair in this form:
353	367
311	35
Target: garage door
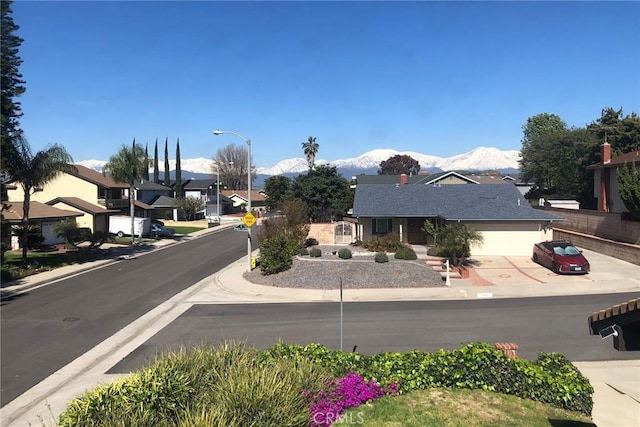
507	239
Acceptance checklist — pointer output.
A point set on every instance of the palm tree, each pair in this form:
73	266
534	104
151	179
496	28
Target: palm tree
127	166
456	239
34	171
310	148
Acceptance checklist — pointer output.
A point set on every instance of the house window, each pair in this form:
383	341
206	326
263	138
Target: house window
382	225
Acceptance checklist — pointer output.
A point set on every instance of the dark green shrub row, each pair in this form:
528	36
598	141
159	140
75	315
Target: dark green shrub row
225	386
344	253
387	243
315	253
405	252
381	257
551	379
303	251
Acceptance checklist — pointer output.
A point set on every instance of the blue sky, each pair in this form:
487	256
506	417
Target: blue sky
439	78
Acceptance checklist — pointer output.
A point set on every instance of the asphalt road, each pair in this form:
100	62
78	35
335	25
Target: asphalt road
46	328
549	324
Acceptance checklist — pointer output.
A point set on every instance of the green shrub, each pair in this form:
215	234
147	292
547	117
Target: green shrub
387	243
315	253
275	255
226	386
357	242
381	257
310	242
551	379
405	252
303	251
344	253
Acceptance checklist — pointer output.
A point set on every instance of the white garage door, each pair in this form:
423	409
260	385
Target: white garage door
502	239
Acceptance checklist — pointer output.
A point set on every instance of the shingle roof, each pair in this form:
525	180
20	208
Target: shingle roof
198	184
631	158
479	202
164	202
255	196
37	210
81	204
97	178
150	185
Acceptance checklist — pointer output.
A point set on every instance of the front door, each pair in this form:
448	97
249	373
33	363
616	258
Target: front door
414	233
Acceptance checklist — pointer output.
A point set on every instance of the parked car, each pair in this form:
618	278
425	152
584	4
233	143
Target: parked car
561	257
157	230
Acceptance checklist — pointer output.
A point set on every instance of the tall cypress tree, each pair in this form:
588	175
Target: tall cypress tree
156	171
178	185
11	85
167	177
145	172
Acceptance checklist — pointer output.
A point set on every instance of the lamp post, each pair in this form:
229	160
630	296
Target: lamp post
248	142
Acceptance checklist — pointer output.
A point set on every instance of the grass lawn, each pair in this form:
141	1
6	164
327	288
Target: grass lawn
464	408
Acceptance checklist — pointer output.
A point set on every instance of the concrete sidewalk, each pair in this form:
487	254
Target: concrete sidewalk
617	384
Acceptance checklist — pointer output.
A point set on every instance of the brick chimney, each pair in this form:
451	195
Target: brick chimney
508	348
403	179
606	153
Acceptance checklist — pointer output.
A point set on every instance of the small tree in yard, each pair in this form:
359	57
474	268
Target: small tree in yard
275	255
190	206
68	229
456	240
629	187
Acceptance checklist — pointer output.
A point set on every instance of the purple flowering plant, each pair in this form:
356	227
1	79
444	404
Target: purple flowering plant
339	394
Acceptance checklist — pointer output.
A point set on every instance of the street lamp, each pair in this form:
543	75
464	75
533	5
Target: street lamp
248	142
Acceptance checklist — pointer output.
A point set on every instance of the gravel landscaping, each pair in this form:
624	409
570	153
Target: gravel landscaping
359	272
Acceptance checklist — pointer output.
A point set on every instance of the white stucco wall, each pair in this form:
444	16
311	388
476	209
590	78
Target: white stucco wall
509	238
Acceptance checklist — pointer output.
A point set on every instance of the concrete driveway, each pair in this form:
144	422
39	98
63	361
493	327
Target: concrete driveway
520	270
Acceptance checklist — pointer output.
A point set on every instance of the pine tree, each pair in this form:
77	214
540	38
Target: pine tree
145	172
178	185
156	171
12	86
167	178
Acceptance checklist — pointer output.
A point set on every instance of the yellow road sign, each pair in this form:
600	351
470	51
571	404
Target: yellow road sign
249	219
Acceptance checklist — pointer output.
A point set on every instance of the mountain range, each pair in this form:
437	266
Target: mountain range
481	158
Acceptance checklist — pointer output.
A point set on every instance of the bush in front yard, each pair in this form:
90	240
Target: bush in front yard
315	253
310	242
275	255
344	253
405	252
381	257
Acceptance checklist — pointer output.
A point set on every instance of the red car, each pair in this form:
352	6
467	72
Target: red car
561	257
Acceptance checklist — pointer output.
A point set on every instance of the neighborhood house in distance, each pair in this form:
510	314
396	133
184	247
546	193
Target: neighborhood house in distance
492	204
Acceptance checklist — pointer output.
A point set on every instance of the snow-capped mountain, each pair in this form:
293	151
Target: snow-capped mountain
481	158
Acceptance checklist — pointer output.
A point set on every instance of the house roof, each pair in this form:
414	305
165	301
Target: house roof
164	202
430	179
480	202
37	210
198	184
142	205
81	204
632	157
255	195
97	178
150	185
387	179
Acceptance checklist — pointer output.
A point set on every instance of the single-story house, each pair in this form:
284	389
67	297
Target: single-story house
508	224
40	214
239	199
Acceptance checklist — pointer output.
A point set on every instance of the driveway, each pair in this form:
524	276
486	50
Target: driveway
521	270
